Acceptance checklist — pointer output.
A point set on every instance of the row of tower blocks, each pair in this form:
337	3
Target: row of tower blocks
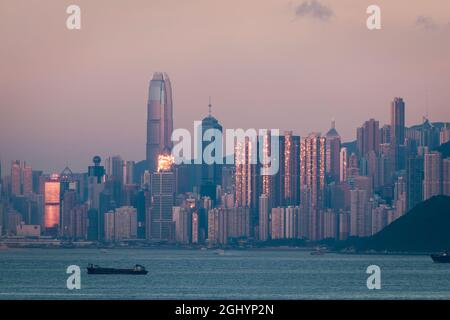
323	188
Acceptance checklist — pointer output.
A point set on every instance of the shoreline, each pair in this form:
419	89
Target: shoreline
4	247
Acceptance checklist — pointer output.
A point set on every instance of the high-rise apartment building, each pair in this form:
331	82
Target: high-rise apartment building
398	133
16	188
125	223
182	218
21	178
368	137
291	169
446	176
244	175
217	226
432	182
358	212
414	181
264	217
312	178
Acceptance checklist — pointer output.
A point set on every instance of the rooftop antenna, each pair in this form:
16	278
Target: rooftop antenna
333	123
209	106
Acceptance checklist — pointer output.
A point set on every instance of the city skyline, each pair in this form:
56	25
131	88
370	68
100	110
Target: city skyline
322	190
5	165
244	151
297	73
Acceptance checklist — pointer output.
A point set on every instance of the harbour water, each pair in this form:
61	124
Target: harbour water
209	274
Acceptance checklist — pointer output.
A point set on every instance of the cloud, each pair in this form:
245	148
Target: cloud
313	9
426	23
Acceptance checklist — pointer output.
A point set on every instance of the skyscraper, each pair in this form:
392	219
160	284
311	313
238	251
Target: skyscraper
291	169
385	134
312	179
352	166
108	226
79	226
128	172
114	169
21	178
399	200
264	217
97	172
68	203
267	180
285	222
432	183
125	223
217	226
446	176
238	220
243	159
211	173
414	181
398	132
368	137
163	192
15	178
182	218
277	226
429	135
159	118
27	179
52	205
358	213
333	153
343	164
96	184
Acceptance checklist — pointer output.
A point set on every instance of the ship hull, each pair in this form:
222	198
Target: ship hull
440	258
115	271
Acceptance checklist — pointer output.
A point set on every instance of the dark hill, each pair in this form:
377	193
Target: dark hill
425	228
444	149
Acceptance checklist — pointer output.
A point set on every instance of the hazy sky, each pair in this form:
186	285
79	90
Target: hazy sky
68	95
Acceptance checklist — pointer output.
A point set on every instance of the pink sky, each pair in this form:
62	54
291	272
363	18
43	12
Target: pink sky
67	95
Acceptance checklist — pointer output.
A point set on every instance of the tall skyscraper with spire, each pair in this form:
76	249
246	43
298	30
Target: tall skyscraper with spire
333	150
159	118
211	173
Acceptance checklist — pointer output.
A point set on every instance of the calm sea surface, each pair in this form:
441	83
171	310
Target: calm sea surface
197	274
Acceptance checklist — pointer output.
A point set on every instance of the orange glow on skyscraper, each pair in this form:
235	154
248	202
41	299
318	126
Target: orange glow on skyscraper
52	202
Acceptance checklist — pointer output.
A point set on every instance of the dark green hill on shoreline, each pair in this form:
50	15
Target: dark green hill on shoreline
444	149
425	228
